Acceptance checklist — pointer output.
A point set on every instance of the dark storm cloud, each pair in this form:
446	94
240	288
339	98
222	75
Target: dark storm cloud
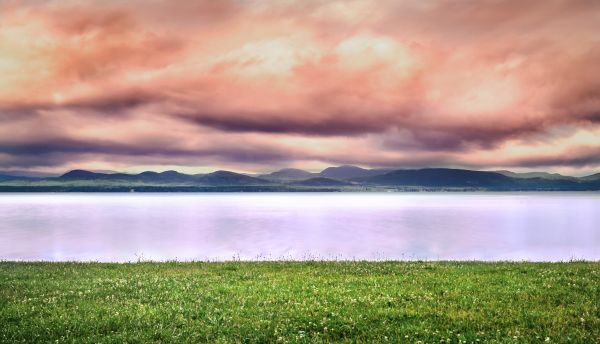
55	152
284	123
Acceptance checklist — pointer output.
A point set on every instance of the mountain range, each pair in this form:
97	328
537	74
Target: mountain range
340	178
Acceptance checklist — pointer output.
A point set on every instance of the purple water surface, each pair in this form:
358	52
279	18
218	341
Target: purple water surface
262	226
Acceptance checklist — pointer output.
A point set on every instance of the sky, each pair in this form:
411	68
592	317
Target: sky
253	86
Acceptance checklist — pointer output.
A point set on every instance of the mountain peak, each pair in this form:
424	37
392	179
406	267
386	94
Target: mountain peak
223	173
171	173
344	167
288	174
595	176
80	174
223	177
349	172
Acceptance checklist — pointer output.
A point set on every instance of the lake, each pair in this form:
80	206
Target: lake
299	226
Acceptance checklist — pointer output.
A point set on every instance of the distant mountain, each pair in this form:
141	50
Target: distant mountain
288	174
144	177
164	177
543	175
82	175
592	177
6	177
227	178
553	184
287	179
468	179
321	181
105	171
440	177
167	177
349	172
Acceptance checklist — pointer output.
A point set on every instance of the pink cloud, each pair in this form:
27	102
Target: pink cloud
440	80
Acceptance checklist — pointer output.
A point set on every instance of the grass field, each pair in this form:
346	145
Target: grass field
306	302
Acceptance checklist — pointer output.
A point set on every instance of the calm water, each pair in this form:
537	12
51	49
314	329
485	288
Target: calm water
128	227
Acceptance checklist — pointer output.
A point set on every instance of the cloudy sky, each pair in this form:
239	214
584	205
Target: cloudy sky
252	86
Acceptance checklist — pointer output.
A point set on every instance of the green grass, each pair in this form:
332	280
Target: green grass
300	302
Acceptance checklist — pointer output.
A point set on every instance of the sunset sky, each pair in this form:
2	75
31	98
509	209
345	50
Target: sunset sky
259	85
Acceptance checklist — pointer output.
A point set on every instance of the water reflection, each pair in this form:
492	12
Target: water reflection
126	227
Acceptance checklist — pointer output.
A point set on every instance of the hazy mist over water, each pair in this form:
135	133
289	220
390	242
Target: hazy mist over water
263	226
